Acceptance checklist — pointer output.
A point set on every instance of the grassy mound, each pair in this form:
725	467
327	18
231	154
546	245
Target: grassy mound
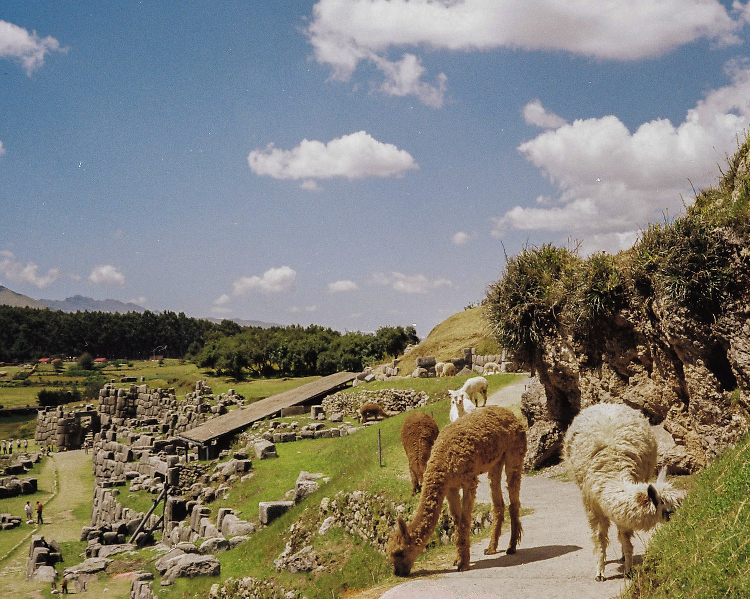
447	340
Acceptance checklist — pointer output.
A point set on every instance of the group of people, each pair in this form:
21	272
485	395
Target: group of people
30	510
6	447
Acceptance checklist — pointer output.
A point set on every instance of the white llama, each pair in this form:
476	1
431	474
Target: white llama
460	404
610	451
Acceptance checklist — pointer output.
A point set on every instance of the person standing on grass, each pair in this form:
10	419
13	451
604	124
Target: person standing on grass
39	508
29	513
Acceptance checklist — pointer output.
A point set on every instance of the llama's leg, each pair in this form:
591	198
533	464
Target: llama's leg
484	395
600	537
626	540
454	505
513	472
498	506
463	541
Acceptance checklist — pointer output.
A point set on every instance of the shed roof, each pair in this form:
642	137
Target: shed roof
238	420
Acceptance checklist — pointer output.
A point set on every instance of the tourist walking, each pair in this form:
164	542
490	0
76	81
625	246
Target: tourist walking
39	507
29	513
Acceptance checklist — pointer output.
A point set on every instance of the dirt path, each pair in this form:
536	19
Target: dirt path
554	559
72	490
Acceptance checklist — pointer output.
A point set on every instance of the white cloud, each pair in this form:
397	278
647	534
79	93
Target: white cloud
461	238
310	185
141	299
535	114
18	272
342	286
302	309
107	275
409	284
274	280
610	181
27	48
351	156
344	33
2	149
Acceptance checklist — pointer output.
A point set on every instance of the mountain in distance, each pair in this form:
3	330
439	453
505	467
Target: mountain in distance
17	300
80	303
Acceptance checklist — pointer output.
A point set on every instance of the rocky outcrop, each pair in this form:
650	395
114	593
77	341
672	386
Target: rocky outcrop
663	327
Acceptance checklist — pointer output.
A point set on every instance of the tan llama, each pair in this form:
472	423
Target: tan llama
371	411
418	434
486	440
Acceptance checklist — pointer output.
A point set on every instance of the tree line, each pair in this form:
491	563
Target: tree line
300	351
27	334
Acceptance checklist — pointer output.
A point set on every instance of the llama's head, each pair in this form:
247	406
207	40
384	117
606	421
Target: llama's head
663	496
402	550
456	397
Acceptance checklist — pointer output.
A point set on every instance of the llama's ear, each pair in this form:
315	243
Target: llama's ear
662	478
653	495
401	525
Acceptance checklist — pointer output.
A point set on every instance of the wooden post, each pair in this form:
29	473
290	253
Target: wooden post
380	450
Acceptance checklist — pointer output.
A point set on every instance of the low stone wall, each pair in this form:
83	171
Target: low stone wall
391	400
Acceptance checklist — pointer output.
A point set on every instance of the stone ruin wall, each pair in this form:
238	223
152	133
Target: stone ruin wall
470	362
65	429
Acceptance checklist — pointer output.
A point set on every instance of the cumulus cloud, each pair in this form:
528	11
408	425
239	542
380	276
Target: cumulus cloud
409	284
461	238
16	43
107	275
353	156
611	181
274	280
535	114
343	33
342	287
17	272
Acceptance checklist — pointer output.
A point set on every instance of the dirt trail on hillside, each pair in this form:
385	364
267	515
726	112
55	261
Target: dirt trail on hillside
554	559
59	523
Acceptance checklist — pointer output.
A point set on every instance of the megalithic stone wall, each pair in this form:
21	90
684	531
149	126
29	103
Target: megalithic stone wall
66	429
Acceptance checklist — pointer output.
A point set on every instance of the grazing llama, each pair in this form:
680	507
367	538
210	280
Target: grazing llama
487	440
476	386
492	368
610	451
418	434
460	405
371	411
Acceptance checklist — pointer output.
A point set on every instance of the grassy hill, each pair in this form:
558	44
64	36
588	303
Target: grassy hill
450	337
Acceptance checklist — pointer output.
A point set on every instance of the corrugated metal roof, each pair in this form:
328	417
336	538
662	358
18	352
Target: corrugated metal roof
237	420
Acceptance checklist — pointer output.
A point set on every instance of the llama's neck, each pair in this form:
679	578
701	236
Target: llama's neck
428	511
628	504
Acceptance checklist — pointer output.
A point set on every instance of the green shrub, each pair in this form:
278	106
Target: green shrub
525	305
57	397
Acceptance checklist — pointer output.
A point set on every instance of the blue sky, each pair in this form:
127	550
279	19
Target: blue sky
347	163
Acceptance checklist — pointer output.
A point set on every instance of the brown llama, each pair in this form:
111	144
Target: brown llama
371	411
418	434
486	440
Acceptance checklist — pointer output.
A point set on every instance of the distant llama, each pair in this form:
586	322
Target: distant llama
475	386
610	451
487	440
439	369
371	411
492	368
460	405
449	369
418	434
